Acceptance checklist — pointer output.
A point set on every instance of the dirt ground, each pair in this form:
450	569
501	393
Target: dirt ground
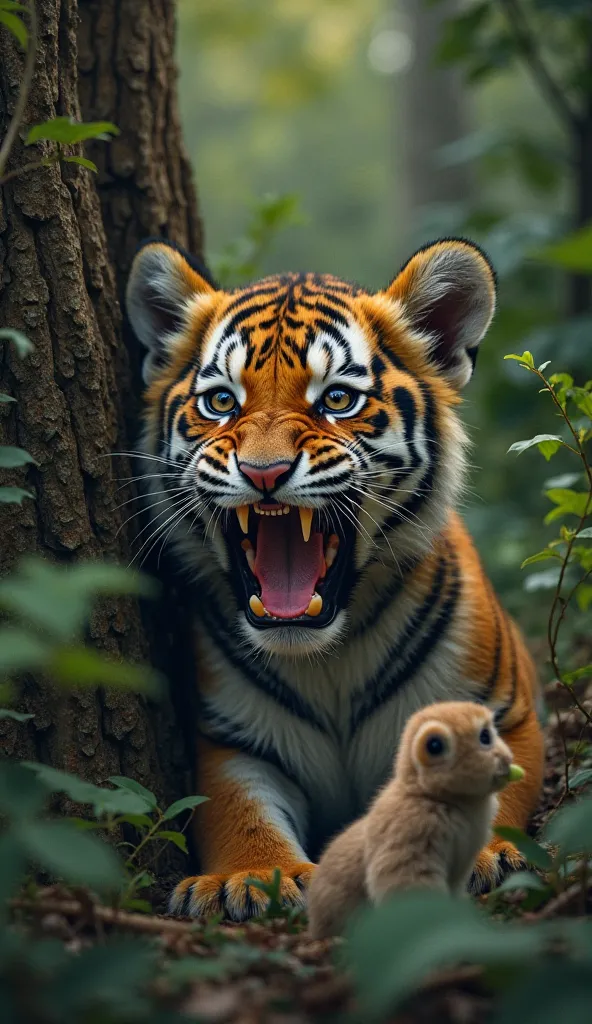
268	972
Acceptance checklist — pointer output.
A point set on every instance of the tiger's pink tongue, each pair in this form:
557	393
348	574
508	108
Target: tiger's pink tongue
287	567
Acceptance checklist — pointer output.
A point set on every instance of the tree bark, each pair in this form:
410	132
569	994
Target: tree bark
66	242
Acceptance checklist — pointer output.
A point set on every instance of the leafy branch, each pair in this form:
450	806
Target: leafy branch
63	131
567	548
29	42
525	42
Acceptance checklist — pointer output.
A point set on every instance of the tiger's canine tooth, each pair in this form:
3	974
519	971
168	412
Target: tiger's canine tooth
257	607
249	553
242	514
305	521
315	606
331	552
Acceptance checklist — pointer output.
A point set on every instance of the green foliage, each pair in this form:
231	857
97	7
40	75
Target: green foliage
574	252
67	131
49	606
569	549
241	260
9	17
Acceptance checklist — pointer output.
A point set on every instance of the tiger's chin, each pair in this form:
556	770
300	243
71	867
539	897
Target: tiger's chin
295	641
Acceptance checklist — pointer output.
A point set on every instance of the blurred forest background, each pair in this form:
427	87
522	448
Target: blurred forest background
384	124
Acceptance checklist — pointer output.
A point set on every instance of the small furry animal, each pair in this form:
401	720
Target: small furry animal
427	825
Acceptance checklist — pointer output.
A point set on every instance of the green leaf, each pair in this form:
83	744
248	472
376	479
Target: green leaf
11	457
137	820
586	533
574	252
173	837
522	880
15	25
21	651
103	801
20	341
583	400
83	666
544	366
581	778
526	358
569	502
565	380
138	905
21	794
555	990
578	673
187	803
393	947
6	398
541	556
122	782
571	828
12	870
17	716
108	982
584	596
548	444
13	495
532	851
66	131
59	598
82	160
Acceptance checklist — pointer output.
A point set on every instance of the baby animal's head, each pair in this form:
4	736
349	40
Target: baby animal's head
453	750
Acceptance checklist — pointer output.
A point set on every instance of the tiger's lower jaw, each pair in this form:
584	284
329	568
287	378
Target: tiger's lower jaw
295	641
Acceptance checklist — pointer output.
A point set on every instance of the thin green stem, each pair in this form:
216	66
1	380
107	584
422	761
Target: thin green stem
21	102
34	165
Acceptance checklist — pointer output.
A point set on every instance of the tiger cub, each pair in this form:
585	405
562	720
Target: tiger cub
303	455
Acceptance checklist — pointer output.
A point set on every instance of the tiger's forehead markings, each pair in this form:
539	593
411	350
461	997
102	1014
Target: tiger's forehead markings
303	319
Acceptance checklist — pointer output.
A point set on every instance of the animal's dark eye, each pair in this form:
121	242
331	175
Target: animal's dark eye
435	746
339	399
485	737
219	402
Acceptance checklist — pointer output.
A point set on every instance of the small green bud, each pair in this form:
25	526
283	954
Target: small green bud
516	773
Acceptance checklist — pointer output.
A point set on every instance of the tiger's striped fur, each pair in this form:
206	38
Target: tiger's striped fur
299	725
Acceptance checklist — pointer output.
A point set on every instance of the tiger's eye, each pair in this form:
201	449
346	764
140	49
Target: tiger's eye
221	402
338	399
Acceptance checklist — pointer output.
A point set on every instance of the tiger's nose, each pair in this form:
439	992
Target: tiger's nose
264	477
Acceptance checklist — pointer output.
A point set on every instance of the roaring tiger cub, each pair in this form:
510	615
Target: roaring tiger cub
304	456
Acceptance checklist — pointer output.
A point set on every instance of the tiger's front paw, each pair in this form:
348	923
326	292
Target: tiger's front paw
229	895
493	864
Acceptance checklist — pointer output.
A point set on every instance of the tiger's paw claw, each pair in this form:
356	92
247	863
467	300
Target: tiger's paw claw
494	863
229	895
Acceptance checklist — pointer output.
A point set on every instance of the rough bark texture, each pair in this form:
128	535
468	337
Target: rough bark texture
66	240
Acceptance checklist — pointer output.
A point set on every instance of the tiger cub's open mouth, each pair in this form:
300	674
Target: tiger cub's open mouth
290	565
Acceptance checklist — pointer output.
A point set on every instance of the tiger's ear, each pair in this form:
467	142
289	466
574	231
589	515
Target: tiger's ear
159	294
447	290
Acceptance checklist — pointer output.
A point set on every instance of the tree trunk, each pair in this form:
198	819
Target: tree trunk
432	105
66	241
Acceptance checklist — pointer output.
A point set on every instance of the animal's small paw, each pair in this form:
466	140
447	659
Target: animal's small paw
493	864
229	895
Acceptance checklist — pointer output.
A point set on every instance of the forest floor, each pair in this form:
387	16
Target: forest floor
268	971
